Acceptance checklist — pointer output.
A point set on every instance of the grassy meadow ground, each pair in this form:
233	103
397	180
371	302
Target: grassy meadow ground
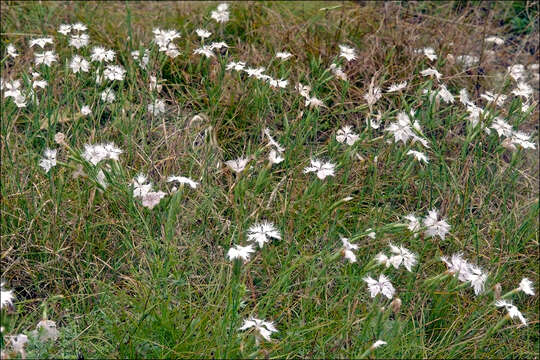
125	281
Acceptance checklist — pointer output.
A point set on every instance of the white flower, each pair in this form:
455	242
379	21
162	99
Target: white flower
112	151
382	286
526	286
402	128
283	55
347	52
303	90
6	296
371	234
262	233
495	39
491	97
477	278
114	72
313	102
382	259
237	165
522	139
64	29
431	72
468	60
39	84
221	15
373	95
17	343
205	50
457	266
79	27
12	51
85	110
183	180
218	45
264	328
418	155
255	72
402	256
101	54
203	33
445	94
374	123
513	311
322	169
338	72
517	72
151	199
41	42
430	53
377	344
414	224
272	141
240	252
79	64
140	187
238	66
164	37
348	250
346	135
275	157
46	330
523	89
48	160
502	127
157	108
47	58
12	88
464	97
79	40
108	95
397	87
434	226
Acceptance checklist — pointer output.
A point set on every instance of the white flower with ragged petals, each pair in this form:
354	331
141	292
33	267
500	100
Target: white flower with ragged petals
348	250
445	94
114	72
381	286
490	97
347	135
262	233
163	37
203	33
237	165
377	344
464	97
397	87
477	278
94	153
205	50
513	311
502	127
46	330
338	72
420	156
275	157
347	52
79	40
151	199
78	63
468	60
64	29
101	54
495	40
6	296
113	152
47	58
283	55
457	265
12	88
382	259
313	102
402	129
402	256
255	72
240	252
12	51
522	139
434	226
140	187
157	108
323	169
523	89
264	328
41	42
430	53
272	141
221	15
85	110
431	72
183	180
526	286
17	343
414	224
517	72
48	160
79	27
238	66
108	95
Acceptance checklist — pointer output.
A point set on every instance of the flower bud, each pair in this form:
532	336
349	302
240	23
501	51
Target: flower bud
497	289
396	305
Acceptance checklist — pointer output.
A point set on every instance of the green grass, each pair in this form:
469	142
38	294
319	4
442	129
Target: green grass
124	281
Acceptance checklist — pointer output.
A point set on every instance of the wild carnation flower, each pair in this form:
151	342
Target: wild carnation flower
373	95
347	135
338	72
381	286
313	102
526	286
283	55
47	58
221	15
523	89
468	60
418	155
46	330
48	160
397	87
499	99
12	51
151	199
262	233
348	250
263	328
114	72
502	127
85	110
108	95
495	39
275	157
79	40
79	64
157	108
101	54
6	296
203	34
513	311
347	52
64	29
431	72
402	256
273	142
41	42
445	94
238	66
183	180
79	27
18	343
414	224
205	50
140	187
430	53
98	152
240	252
522	139
402	129
163	37
237	165
466	272
377	344
517	72
323	169
434	226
